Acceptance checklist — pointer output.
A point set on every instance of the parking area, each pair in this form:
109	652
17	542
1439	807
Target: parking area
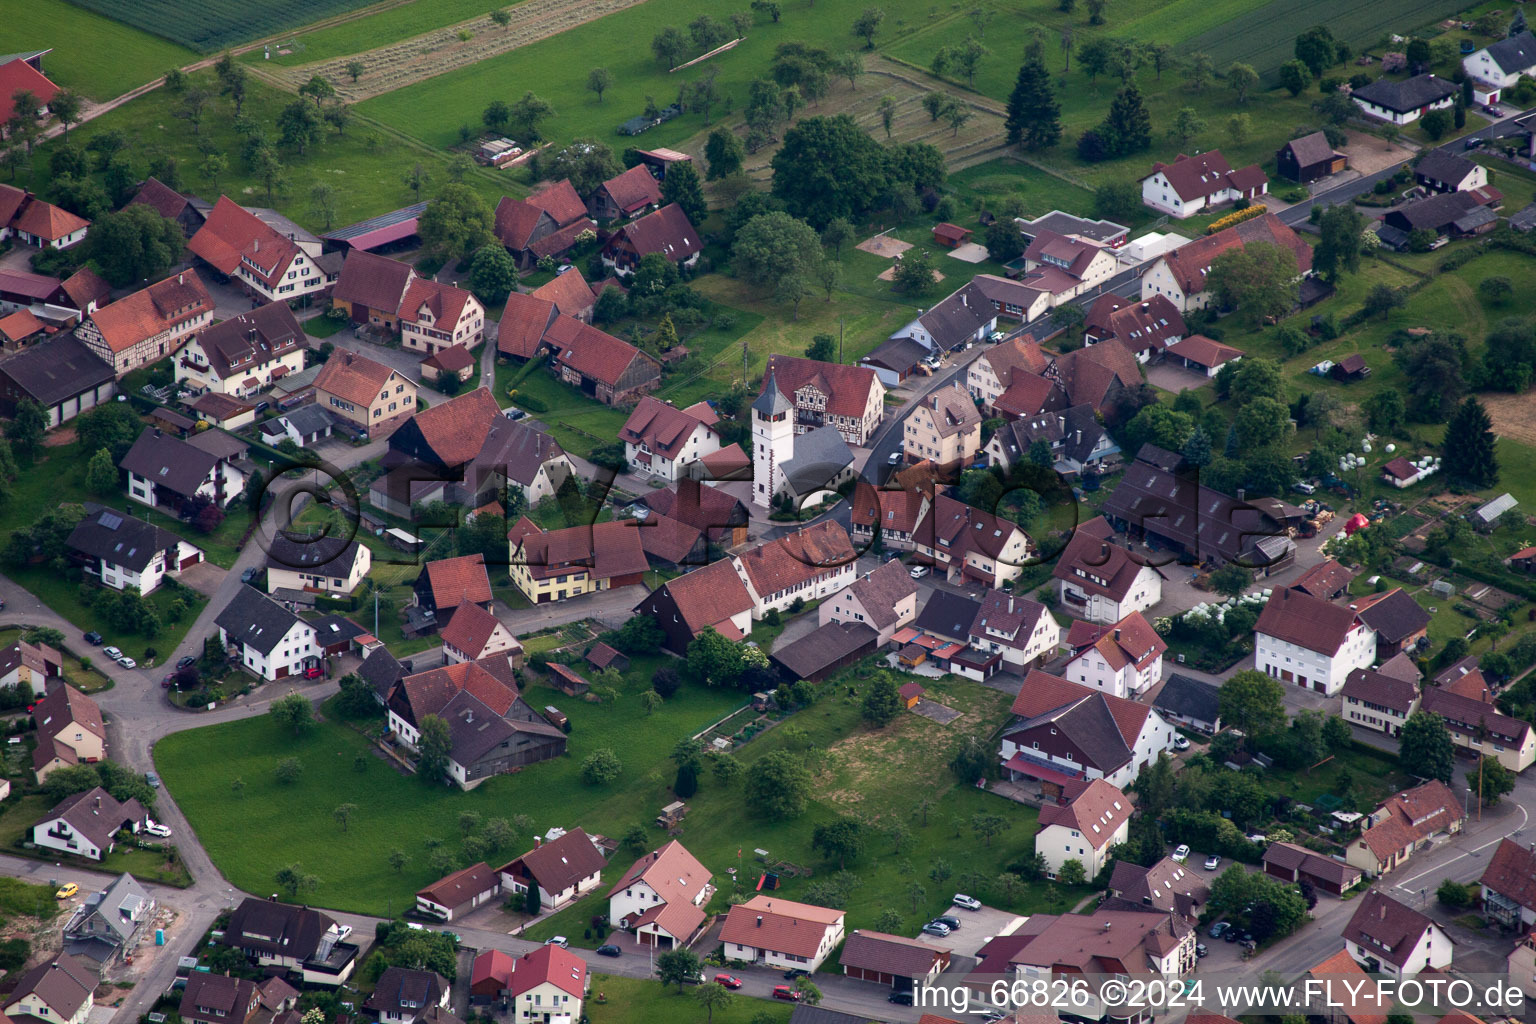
976	928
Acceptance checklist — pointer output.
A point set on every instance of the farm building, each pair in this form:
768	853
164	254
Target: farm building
1309	158
824	650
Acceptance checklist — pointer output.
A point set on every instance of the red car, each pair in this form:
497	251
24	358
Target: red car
728	980
785	992
314	672
168	680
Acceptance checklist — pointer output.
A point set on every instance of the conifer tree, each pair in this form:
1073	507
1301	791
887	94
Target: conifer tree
1034	116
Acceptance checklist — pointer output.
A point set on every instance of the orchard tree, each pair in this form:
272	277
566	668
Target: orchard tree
867	25
778	786
724	153
599	80
1241	79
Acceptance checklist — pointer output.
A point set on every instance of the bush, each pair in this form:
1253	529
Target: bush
530	403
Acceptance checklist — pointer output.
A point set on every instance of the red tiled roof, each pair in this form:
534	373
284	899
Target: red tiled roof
709	596
666	231
447	304
558	967
458	579
523	323
515	222
728	463
790	560
456	429
594	353
951	232
1028	395
1306	621
661	427
371	280
17	75
1206	174
161	197
701	507
568	291
148	312
47	221
1396	927
453	359
20	325
561	202
560	863
1097	810
427	693
678	878
785	926
1357	988
633	190
606	550
1189	262
1324	579
85	286
1512	873
1131	641
352	377
457	889
470	629
847	388
1013	356
11	197
233	235
897	510
557	242
492	965
1204	351
1042	692
1109	569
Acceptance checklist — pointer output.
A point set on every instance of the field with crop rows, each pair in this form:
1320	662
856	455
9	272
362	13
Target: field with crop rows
79	38
1265	37
371	29
209	25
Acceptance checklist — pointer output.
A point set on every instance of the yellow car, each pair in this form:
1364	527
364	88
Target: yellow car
69	890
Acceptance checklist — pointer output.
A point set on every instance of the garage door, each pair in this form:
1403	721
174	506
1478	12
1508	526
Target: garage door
1320	686
191	560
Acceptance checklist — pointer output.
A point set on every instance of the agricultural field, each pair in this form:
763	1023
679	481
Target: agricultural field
365	166
209	25
389	24
137	57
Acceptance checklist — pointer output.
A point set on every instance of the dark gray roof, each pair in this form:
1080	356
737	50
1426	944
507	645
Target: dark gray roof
820	455
772	401
238	345
168	462
332	556
1090	726
97	815
1474	218
1391	236
1402	96
309	419
948	615
1190	698
381	670
55	370
63	984
1447	168
1514	55
115	906
255	620
957	318
475	729
1386	691
405	993
120	539
333	628
1310	149
1524	219
823	647
1067	224
276	929
1083	432
1395	617
516	450
902	354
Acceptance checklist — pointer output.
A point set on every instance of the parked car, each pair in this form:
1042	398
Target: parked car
1257	837
796	972
127	662
917	572
69	889
785	992
314	672
1181	852
262	407
935	928
966	902
609	950
1181	743
558	940
1200	950
1302	487
93	638
186	661
894	459
112	652
154	828
728	980
1219	929
152	779
342	931
168	680
952	923
900	998
1230	935
1212	862
249	574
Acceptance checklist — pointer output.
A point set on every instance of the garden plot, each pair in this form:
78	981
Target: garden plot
884	245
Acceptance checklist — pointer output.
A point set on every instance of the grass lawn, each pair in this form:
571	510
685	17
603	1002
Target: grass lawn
985	185
20	813
378	29
88	680
577	421
641	1001
80	40
1373	775
21	899
876	774
325	326
365	167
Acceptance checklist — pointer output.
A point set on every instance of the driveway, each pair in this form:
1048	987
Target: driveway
977	928
1175	378
204	577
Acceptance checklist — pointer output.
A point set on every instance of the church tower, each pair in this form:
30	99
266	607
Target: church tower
773	441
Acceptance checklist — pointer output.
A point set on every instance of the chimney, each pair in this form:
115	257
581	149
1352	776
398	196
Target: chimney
180	278
255	245
1061	423
1107	925
1383	911
537	842
1104	548
759	920
1240	492
1117	634
469	716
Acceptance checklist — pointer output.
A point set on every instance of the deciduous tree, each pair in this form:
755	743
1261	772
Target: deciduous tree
456	222
1425	749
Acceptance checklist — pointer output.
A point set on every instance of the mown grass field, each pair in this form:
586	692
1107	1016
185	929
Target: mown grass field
877	774
208	25
642	1001
365	167
82	40
377	29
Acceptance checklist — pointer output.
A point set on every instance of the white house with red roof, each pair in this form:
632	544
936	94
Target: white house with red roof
1101	581
809	564
1065	266
1193	184
43	224
1305	640
1066	731
24	72
474	633
661	440
1022	631
150	324
1095	817
661	898
1180	275
850	398
548	986
1125	660
436	316
243	247
781	933
968	543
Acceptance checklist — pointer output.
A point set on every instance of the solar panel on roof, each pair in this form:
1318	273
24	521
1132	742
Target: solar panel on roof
111	520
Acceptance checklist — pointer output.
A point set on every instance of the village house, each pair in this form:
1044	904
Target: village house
1018	631
320	564
59	989
1196	184
455	362
812	563
1404	101
1327	580
850	398
1400	622
1015	300
823	651
1180	275
1104	376
781	933
24	71
944	428
403	995
714	512
549	986
219	999
1348	995
661	439
370	289
1077	440
150	324
109	922
562	868
1500	65
1067	731
554	565
1405	823
1133	943
547	223
34	222
665	231
300	939
446	582
170	204
599	365
1101	581
245	248
1292	863
243	355
121	551
1479	728
1064	267
896	962
712	597
661	898
1386	937
435	316
473	633
885	599
1439	171
1015	368
1126	660
490	977
1168	886
170	474
895	513
1508	885
64	378
1095	817
625	196
368	394
264	637
1201	354
70	729
1444	213
1312	643
306	426
30	664
86	824
1308	158
458	893
1376	701
965	316
20	329
1146	327
967	543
